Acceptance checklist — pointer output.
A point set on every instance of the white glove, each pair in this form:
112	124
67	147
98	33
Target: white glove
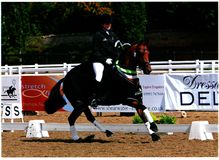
109	61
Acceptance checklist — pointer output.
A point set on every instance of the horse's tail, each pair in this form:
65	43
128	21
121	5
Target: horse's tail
55	100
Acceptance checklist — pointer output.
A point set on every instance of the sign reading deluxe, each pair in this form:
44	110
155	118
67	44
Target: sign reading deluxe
191	92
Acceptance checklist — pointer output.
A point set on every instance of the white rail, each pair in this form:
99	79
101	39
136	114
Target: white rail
159	67
134	128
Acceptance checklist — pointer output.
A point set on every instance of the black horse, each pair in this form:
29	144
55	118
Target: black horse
121	84
11	91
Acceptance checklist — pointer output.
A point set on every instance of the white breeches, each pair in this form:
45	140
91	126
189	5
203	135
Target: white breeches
98	70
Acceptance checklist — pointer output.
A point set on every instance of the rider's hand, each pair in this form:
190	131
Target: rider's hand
109	61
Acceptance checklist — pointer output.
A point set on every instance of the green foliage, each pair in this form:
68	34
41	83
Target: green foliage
130	20
137	119
165	119
23	20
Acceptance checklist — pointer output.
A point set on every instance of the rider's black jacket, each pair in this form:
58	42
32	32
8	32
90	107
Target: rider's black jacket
103	46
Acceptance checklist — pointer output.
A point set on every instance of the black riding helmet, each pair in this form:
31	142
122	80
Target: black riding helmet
105	19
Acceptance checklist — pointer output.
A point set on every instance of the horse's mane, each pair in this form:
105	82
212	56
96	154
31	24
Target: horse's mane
132	48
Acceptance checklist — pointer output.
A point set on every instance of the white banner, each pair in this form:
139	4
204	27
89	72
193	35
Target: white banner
114	108
11	89
153	92
191	92
153	96
12	111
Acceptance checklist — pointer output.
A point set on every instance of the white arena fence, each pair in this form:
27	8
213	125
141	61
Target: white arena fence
85	127
158	67
201	130
155	87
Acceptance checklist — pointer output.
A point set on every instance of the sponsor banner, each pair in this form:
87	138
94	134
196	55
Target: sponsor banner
153	96
10	89
114	108
153	92
191	92
35	91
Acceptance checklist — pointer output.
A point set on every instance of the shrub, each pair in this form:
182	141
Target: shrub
137	119
165	119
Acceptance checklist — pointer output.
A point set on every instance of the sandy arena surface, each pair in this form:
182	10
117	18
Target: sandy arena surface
59	144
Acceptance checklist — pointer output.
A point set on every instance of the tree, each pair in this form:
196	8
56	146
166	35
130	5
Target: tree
15	26
130	20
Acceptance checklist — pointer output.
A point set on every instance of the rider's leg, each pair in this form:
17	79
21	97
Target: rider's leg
98	88
91	118
98	70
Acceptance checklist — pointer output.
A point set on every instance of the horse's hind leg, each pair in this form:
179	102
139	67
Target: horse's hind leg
79	107
91	118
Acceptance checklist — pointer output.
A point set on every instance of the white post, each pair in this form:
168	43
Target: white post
170	64
201	67
197	66
65	68
10	70
213	67
6	68
69	67
36	67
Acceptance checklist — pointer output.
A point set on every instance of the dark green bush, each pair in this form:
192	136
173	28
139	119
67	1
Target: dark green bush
137	119
165	119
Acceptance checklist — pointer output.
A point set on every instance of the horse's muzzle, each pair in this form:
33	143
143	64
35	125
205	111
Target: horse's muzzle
147	68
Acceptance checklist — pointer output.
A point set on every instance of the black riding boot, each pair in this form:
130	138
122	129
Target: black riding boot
98	95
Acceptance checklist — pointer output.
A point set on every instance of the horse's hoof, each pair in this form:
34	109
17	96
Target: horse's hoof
153	127
108	133
94	104
155	137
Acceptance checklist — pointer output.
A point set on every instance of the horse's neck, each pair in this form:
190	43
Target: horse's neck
127	61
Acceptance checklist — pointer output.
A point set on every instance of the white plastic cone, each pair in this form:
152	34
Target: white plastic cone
198	131
35	129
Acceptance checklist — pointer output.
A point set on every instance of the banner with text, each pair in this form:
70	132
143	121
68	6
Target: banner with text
35	91
153	96
191	92
153	92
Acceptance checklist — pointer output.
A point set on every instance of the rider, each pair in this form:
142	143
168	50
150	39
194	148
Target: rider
105	51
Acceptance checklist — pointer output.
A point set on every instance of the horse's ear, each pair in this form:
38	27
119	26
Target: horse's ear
145	41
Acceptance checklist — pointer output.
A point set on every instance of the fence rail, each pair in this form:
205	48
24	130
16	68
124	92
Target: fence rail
159	67
134	128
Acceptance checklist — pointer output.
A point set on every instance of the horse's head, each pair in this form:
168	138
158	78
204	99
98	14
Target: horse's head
142	57
137	55
142	53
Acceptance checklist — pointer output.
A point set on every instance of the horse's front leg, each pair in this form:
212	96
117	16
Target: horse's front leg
91	118
149	123
146	118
